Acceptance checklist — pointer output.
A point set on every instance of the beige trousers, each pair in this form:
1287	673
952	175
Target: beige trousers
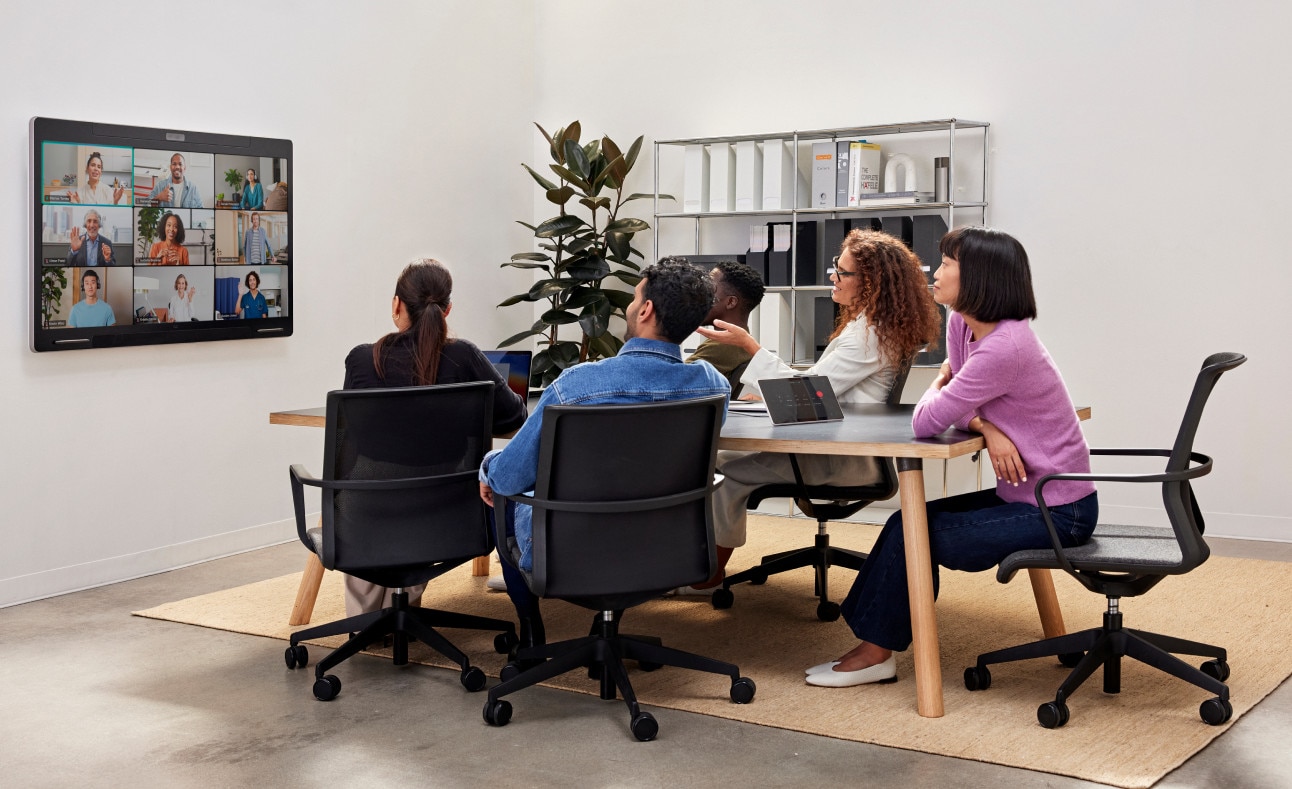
362	596
746	471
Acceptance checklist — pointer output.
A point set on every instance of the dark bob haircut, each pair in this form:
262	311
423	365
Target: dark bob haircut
995	279
682	295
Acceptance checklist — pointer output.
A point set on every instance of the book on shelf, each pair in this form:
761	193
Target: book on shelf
893	198
696	185
843	178
722	177
863	170
778	176
749	175
823	175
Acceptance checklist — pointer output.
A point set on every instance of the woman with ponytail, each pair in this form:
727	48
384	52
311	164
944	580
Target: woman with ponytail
420	352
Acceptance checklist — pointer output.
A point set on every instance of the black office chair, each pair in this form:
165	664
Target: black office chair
825	503
621	514
1127	561
401	505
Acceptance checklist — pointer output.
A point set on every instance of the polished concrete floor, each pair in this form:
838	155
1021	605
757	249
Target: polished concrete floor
98	698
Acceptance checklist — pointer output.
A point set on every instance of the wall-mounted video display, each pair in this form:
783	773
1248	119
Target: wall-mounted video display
146	236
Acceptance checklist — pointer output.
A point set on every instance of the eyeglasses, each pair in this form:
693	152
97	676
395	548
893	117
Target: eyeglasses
835	271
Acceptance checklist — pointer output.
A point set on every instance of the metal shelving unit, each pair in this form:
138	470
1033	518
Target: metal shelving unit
951	210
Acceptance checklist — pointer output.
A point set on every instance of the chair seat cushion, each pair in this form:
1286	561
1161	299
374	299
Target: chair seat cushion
1112	548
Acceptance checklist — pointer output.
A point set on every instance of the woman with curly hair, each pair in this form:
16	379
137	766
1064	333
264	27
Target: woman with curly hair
885	316
999	381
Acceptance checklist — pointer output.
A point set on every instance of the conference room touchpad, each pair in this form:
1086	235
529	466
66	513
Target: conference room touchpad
804	398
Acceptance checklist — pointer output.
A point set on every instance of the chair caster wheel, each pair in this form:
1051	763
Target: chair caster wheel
977	678
497	713
647	665
1216	711
742	690
1071	659
326	687
827	611
509	672
757	576
297	656
504	643
1216	669
722	599
473	679
1052	714
644	726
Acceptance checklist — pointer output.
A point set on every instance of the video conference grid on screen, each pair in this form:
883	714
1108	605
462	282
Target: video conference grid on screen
127	219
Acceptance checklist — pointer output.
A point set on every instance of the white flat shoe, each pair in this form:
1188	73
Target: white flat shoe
819	667
880	672
689	591
496	583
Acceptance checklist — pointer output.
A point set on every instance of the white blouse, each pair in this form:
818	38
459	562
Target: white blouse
851	361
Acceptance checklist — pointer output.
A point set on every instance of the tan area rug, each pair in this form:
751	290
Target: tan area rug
1131	739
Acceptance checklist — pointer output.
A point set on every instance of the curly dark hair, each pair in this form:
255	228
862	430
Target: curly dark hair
744	281
179	227
682	295
893	293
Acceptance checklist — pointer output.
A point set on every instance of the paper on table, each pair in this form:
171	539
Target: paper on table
748	406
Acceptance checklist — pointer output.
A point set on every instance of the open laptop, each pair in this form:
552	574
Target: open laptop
513	366
803	398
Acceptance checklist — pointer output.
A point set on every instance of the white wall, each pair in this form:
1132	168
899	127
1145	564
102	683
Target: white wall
409	120
1139	156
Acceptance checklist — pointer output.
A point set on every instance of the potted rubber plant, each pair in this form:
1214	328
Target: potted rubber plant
583	249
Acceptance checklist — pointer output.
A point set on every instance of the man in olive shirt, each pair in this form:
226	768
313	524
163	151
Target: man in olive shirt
738	290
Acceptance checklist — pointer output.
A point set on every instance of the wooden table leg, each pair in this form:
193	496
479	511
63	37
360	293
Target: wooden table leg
307	592
919	581
1047	602
480	566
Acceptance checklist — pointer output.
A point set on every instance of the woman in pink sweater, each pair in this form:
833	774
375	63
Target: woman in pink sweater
999	381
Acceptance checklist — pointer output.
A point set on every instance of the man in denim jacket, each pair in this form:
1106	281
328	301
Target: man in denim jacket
671	300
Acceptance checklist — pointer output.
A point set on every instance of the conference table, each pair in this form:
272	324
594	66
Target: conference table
871	430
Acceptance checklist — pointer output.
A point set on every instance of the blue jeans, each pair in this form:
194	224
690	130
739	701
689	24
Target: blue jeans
525	601
972	532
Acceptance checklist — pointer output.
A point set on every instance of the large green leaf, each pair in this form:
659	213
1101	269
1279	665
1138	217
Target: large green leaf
610	175
564	354
592	150
580	243
531	256
618	166
633	150
543	182
595	203
576	161
590	268
558	226
645	196
585	296
515	300
546	136
570	176
595	318
549	287
627	277
560	196
618	243
526	224
571	132
526	264
605	346
558	317
619	298
628	224
515	338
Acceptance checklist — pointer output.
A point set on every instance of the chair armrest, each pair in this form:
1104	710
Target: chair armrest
387	484
1202	469
622	505
300	478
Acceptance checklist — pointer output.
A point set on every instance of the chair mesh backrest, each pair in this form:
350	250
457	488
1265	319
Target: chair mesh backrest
1181	506
377	434
625	452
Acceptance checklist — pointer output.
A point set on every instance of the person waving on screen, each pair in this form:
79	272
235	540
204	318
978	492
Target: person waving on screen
252	304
